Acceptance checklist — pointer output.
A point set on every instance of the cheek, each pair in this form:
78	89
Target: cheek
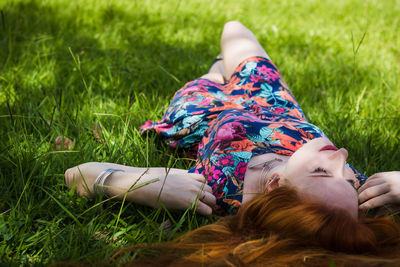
293	180
294	167
284	181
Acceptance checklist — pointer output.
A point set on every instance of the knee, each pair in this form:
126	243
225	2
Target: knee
232	27
233	24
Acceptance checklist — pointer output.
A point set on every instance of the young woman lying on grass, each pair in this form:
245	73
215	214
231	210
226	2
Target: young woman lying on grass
294	197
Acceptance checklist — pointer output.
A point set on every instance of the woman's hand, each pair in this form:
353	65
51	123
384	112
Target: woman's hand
179	190
82	177
380	189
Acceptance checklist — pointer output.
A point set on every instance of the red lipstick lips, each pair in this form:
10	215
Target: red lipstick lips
329	147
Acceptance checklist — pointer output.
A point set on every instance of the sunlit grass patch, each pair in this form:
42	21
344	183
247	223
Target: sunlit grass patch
69	65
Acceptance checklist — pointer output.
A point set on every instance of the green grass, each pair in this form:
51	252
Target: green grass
65	65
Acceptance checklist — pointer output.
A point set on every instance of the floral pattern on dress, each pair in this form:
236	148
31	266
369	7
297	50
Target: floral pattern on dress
226	124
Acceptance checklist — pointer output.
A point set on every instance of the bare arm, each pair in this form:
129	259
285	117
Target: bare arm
174	188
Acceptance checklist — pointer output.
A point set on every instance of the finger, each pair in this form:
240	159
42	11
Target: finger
376	202
206	188
208	198
203	186
373	192
198	177
376	175
203	209
383	174
370	183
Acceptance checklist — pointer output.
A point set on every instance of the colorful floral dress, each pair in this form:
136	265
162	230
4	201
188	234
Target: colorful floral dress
226	124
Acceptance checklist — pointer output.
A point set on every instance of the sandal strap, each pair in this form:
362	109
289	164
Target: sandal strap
98	186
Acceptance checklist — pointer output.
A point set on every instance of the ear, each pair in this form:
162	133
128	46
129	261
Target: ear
272	183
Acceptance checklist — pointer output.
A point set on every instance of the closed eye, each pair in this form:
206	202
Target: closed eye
319	169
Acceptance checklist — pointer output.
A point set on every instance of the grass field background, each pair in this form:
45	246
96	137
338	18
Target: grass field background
65	65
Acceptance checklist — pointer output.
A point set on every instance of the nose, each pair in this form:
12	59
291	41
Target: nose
340	154
339	158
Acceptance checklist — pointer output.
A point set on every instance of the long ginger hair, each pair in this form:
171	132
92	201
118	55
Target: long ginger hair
281	229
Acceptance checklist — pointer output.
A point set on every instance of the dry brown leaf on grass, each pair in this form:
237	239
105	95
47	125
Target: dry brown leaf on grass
63	143
98	132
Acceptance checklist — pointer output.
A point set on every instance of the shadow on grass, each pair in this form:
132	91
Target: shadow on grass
137	63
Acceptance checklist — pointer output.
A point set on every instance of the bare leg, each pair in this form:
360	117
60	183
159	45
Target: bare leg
237	44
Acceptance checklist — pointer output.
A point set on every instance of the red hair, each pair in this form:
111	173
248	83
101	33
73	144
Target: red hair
282	229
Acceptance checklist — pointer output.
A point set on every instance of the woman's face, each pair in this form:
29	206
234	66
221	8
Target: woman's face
319	172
